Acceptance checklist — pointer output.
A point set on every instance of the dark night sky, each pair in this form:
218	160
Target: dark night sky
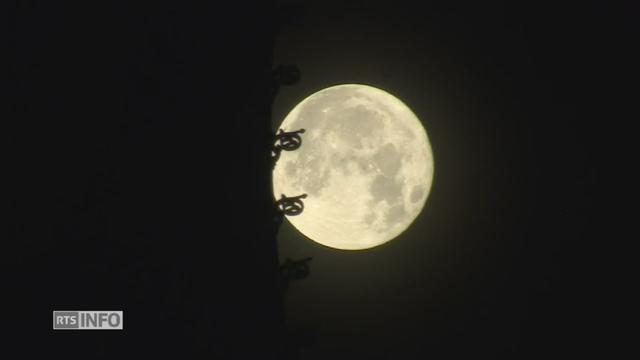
491	265
140	171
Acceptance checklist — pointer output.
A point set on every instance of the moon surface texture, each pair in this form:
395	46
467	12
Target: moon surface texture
365	164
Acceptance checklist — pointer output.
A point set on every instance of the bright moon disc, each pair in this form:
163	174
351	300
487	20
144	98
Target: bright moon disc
365	164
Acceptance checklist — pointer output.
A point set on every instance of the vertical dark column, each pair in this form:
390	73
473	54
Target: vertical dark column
143	180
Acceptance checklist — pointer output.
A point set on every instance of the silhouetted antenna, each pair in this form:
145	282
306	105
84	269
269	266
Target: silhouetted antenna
291	206
283	75
286	74
294	270
287	141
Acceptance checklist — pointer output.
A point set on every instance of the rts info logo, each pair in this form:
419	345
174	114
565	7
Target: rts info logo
87	320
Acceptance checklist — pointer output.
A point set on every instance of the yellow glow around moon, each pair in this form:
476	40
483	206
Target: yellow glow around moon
365	163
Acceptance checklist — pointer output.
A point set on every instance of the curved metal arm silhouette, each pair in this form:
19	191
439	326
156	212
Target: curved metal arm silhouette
286	74
287	141
283	75
295	269
291	206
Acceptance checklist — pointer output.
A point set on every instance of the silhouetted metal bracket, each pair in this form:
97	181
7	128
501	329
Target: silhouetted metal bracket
283	75
286	74
295	269
287	141
291	206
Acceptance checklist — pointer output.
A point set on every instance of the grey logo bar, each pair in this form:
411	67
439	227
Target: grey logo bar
87	320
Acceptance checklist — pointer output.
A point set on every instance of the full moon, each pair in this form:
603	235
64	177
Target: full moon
365	164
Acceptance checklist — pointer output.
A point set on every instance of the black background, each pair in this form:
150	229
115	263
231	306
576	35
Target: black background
139	175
